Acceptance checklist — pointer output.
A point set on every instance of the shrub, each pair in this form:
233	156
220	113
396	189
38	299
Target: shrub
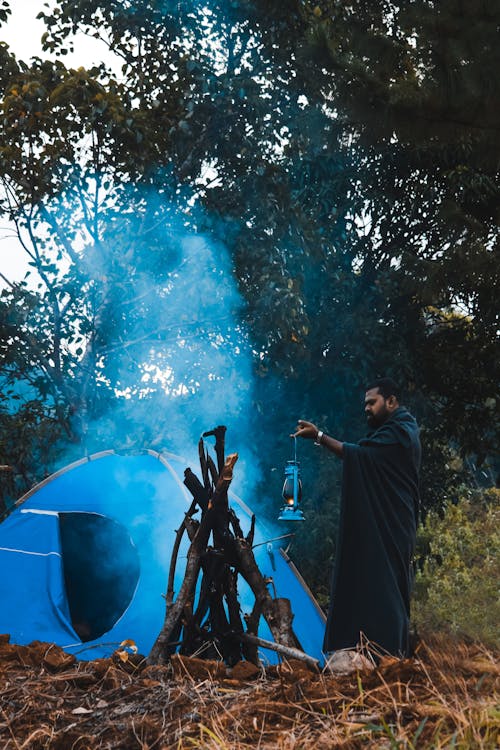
457	585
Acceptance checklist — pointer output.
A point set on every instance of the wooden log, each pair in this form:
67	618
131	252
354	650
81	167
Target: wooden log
225	478
252	620
212	470
219	624
251	533
219	502
202	606
208	564
192	526
284	618
272	609
219	580
160	652
233	607
215	572
173	563
235	524
203	465
250	651
287	651
191	624
200	494
220	441
187	521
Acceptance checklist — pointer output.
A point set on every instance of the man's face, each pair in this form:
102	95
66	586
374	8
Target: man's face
376	408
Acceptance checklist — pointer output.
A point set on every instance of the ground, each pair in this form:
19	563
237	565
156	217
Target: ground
447	696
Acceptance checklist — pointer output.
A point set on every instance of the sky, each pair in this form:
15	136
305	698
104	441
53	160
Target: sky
23	32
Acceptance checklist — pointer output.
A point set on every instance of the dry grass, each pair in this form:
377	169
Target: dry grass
447	697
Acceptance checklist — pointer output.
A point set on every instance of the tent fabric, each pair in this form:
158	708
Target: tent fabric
143	496
33	597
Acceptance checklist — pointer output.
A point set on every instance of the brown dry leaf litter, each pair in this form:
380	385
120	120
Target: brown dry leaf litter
446	697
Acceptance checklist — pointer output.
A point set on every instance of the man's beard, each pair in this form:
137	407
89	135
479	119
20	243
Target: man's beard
377	421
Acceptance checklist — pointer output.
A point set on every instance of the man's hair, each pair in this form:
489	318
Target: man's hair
387	387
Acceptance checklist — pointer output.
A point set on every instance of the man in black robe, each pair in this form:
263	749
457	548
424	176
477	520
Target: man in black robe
372	576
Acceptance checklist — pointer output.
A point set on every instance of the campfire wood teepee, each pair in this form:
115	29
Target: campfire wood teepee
205	617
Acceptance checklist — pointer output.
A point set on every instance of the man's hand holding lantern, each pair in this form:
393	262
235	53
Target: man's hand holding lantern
309	431
306	430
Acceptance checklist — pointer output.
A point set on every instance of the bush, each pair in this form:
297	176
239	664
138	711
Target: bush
457	585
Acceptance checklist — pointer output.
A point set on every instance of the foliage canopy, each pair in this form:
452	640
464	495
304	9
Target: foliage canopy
341	162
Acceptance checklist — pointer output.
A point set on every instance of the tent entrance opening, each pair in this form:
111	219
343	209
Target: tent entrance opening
101	571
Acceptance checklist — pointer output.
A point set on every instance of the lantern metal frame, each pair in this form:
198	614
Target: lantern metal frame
290	510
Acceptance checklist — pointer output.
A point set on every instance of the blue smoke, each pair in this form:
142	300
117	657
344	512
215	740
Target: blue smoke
173	356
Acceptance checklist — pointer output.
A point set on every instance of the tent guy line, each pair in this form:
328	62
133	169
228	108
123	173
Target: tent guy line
29	552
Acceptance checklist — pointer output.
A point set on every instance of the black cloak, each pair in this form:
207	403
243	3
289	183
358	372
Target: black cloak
372	577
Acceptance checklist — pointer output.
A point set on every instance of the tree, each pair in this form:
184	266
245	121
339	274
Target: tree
345	156
415	85
108	318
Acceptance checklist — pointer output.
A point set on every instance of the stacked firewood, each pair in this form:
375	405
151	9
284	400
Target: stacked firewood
206	619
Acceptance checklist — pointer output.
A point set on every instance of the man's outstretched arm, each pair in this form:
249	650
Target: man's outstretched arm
309	431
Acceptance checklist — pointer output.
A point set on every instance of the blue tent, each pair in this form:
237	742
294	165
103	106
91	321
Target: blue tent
84	558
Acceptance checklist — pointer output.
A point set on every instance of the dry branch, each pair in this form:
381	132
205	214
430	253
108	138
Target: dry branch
220	441
277	612
286	651
203	464
160	652
214	624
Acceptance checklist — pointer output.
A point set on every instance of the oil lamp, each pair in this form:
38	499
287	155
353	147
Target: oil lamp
292	491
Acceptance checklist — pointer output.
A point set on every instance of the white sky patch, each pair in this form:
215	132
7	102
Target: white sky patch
23	33
13	260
